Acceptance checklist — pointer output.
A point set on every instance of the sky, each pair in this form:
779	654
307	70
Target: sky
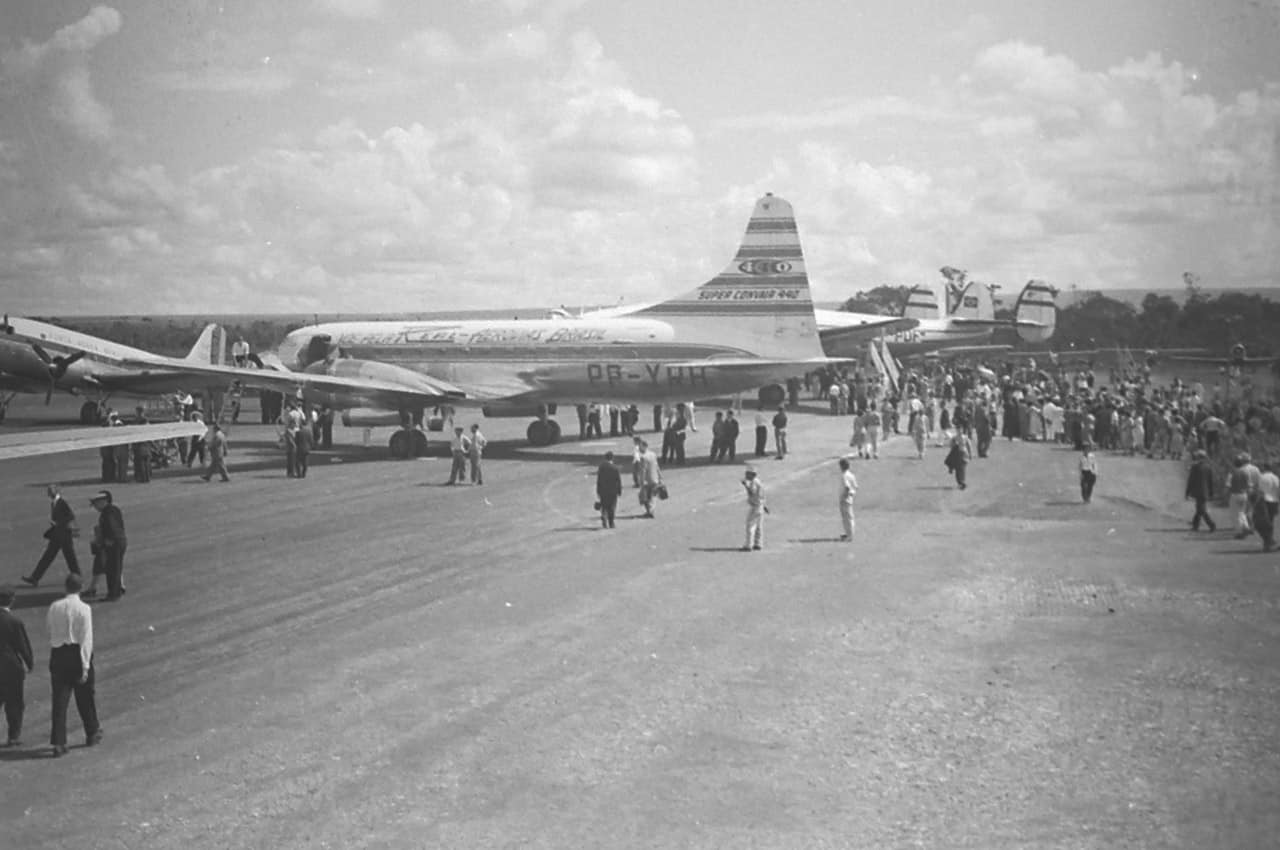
296	156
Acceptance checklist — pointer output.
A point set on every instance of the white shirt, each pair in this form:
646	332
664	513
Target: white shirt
848	485
1269	487
478	442
70	620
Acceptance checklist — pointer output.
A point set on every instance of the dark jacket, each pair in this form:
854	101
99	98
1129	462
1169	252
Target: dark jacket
305	441
63	519
608	481
1200	481
15	649
111	527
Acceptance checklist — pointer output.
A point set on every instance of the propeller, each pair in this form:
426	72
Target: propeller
57	367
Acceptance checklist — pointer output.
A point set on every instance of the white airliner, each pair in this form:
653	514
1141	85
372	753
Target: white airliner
749	327
968	329
37	357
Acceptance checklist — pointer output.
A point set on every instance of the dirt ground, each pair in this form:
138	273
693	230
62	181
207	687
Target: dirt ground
366	658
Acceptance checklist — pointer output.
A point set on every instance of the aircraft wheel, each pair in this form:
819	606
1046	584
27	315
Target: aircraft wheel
399	444
419	443
89	413
539	432
553	431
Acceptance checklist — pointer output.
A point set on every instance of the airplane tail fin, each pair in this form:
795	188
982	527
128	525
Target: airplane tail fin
976	302
211	348
1036	313
923	303
760	304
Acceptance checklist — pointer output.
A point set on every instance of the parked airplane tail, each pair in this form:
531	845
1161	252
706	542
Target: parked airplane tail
975	302
760	304
211	348
923	303
1036	313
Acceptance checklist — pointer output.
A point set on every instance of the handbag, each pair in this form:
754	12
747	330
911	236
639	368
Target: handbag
662	492
596	506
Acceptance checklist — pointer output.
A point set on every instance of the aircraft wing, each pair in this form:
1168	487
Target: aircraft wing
371	384
33	443
965	350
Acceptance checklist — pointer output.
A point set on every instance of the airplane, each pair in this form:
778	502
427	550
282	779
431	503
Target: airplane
33	443
38	357
749	328
967	330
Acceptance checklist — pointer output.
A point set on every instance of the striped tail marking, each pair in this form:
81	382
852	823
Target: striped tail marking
923	303
1037	303
766	277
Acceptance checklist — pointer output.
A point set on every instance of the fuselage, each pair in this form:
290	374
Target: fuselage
559	359
23	368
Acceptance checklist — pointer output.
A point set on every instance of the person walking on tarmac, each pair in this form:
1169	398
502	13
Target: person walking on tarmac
16	661
608	490
218	449
1200	488
848	489
109	545
650	478
1088	473
957	460
780	431
59	536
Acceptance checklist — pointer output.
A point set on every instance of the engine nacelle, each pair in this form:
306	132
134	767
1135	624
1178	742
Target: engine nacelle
772	395
368	370
370	417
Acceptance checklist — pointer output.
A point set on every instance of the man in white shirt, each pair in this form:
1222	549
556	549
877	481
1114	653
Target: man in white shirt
755	511
475	451
70	623
459	448
848	488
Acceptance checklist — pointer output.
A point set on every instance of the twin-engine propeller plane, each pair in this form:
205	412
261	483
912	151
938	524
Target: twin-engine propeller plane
751	326
37	357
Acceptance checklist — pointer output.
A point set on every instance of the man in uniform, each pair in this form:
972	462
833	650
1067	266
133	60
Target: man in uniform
59	534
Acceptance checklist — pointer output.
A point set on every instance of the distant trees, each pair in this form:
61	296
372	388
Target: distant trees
883	300
1214	323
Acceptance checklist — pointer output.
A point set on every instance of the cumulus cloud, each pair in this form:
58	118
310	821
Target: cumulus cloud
58	71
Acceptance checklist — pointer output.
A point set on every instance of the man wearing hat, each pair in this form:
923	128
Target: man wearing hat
755	511
109	544
15	662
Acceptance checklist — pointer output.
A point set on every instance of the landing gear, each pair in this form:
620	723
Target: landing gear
407	443
90	413
4	405
543	432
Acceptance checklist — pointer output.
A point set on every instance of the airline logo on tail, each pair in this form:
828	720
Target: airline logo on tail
766	277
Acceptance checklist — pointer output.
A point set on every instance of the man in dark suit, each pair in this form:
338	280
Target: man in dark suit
110	540
305	443
15	662
59	534
608	489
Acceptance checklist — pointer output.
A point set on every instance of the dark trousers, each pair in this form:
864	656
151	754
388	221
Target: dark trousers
291	461
109	561
608	508
67	547
1087	480
64	676
301	464
960	469
1202	514
762	439
217	465
12	698
197	448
